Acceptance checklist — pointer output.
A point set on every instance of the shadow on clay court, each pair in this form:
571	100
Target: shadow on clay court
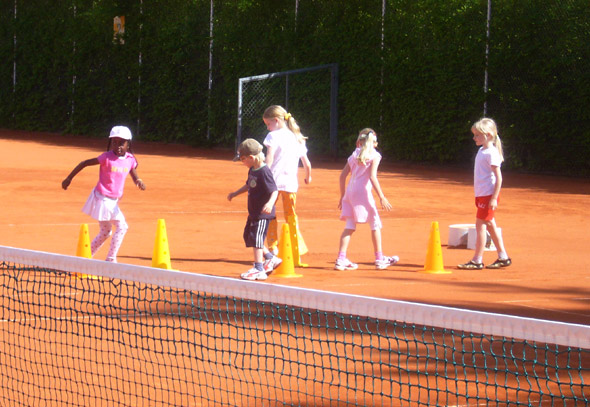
458	174
396	267
224	260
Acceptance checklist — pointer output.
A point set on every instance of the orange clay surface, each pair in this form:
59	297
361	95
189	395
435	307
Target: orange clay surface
544	220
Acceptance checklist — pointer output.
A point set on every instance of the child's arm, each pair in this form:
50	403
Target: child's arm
377	187
240	191
494	199
343	174
138	181
267	208
307	166
66	182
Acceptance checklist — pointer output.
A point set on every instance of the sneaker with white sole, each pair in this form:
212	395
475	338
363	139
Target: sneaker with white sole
385	262
254	274
271	264
345	264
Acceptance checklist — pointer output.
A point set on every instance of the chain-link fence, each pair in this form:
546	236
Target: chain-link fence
309	94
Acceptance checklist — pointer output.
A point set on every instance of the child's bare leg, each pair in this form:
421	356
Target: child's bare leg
480	241
258	255
497	238
376	236
345	240
342	263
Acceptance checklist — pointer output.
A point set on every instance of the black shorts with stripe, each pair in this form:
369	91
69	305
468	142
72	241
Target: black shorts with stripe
255	232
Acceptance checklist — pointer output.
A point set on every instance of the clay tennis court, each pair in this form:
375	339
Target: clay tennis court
543	218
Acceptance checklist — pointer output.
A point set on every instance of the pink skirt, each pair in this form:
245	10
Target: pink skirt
102	208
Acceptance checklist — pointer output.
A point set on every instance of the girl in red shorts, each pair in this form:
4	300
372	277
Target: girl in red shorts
487	182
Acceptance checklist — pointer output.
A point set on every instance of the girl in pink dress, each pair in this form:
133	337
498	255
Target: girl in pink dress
103	202
357	202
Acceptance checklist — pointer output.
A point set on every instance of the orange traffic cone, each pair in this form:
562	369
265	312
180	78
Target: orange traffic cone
84	249
287	268
434	260
161	255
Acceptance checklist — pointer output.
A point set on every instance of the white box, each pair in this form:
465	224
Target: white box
458	234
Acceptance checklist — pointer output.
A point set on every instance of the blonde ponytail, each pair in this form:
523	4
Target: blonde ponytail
488	126
278	112
367	140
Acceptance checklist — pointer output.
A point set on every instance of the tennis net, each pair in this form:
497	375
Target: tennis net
139	336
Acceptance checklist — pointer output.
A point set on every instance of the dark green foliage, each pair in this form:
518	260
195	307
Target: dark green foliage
421	85
541	87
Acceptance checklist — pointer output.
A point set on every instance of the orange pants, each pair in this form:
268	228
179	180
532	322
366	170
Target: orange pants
289	202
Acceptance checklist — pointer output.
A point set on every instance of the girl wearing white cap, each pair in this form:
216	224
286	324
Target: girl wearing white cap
103	202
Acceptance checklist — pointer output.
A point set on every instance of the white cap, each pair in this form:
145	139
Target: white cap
121	132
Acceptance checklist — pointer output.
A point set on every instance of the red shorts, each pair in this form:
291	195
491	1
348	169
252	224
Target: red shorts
484	212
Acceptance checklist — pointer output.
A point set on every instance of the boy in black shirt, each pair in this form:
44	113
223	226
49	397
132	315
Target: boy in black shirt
262	195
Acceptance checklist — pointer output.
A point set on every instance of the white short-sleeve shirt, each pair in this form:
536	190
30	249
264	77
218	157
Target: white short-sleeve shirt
287	152
484	179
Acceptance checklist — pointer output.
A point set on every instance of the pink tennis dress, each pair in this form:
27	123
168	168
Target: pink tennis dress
103	202
358	202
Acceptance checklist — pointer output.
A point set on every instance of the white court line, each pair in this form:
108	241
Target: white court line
545	300
365	285
42	224
178	213
507	279
240	211
200	212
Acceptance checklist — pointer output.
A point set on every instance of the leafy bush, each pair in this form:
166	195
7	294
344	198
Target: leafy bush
413	70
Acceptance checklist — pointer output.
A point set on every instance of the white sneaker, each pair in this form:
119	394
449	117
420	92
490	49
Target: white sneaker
386	262
253	274
345	265
271	264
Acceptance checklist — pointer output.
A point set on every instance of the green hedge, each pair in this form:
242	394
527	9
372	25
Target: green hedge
420	88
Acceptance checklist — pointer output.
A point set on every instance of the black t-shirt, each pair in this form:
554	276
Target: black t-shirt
261	185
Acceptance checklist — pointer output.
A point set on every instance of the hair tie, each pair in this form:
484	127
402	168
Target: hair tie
287	116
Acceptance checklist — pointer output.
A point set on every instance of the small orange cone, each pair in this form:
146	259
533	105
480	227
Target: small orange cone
434	260
299	248
84	242
84	249
287	268
161	255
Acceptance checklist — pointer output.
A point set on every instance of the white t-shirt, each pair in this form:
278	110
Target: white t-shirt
287	152
484	179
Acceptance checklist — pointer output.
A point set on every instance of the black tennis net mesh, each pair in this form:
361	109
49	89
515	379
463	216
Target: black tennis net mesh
138	336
